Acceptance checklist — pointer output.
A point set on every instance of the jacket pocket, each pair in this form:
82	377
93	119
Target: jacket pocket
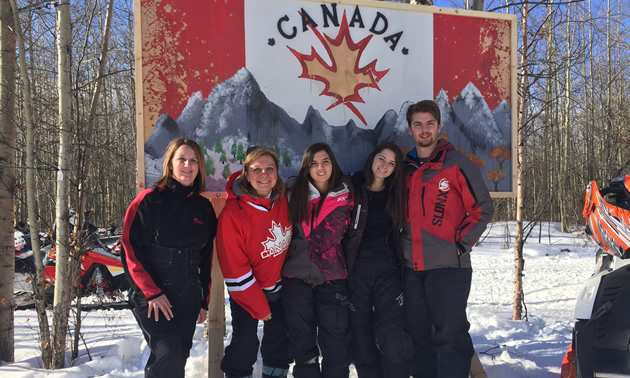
160	258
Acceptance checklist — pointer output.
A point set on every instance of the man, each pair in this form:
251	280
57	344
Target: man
448	208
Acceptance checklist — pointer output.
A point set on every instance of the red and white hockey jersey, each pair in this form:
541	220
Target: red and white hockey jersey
253	236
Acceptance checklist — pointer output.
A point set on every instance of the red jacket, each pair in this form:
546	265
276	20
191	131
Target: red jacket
448	208
253	236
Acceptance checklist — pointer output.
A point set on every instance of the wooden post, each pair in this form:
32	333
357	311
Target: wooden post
216	308
476	368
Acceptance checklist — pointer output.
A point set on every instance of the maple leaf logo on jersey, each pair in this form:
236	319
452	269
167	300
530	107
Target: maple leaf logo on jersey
343	78
278	242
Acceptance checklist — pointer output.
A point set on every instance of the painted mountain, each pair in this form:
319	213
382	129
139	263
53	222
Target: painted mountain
484	135
237	114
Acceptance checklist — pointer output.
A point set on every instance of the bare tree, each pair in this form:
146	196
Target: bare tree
7	179
63	275
517	307
83	174
31	192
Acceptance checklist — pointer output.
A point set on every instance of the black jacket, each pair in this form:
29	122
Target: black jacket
172	217
358	220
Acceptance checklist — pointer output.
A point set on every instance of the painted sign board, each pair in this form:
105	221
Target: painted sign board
288	73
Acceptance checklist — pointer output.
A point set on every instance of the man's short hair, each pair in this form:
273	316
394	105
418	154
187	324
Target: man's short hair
424	106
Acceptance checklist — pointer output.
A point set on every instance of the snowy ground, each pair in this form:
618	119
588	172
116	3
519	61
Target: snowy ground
555	267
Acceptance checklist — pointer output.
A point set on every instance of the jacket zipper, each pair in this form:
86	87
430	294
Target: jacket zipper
356	219
422	200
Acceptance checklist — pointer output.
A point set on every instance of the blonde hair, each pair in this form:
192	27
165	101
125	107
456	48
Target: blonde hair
167	165
253	153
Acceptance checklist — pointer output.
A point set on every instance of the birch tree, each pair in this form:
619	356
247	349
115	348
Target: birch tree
517	307
63	276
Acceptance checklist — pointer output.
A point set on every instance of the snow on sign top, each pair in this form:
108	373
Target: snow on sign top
286	74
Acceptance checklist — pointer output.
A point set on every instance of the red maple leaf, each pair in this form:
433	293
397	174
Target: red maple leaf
343	78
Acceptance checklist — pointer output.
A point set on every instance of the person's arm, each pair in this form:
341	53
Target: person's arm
237	271
205	266
136	236
203	314
477	203
331	230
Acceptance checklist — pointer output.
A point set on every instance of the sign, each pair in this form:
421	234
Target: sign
286	74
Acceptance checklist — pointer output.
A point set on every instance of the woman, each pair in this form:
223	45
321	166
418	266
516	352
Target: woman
167	255
315	292
380	346
253	236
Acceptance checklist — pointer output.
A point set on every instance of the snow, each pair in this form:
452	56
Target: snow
506	348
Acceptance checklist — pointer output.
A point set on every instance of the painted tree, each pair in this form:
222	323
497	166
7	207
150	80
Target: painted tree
210	170
226	171
240	153
218	146
286	159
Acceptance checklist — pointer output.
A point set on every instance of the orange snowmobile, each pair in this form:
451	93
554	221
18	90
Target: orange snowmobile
601	334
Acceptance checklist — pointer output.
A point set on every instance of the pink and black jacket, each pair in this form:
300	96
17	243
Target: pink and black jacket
315	255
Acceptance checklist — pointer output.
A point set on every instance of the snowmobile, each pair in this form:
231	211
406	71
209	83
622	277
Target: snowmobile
23	251
101	269
23	254
601	334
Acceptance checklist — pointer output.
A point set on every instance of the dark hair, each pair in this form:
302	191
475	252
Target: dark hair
253	153
394	184
424	106
298	206
167	166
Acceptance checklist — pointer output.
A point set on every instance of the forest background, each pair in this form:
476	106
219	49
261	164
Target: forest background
67	93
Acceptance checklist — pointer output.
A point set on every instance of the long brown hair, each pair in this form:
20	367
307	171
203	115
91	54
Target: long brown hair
167	165
394	183
298	206
253	154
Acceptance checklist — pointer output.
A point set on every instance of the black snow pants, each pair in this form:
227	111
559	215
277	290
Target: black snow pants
381	348
318	315
438	298
170	341
242	353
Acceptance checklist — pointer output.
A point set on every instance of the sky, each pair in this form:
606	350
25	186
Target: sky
556	264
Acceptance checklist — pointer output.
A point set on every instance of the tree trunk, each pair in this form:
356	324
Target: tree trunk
7	181
31	192
517	306
82	176
63	281
565	187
